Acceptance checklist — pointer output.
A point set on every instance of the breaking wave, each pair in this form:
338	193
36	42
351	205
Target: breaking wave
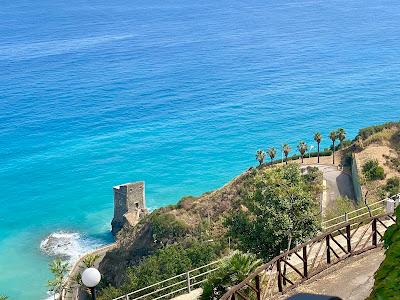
68	246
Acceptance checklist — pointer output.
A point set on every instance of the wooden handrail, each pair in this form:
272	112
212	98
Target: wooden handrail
328	236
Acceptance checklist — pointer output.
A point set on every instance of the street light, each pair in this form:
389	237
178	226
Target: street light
90	278
309	153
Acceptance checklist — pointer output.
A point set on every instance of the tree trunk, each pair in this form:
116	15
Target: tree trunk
302	158
286	159
318	152
333	145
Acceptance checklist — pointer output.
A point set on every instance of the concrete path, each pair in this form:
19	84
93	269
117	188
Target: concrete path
195	294
336	184
351	279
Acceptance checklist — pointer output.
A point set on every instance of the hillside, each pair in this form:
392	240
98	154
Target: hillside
381	144
179	237
176	238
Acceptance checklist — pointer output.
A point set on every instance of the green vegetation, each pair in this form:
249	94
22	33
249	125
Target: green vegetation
302	147
166	228
59	269
278	211
365	133
372	170
341	135
318	139
339	207
260	156
392	186
2	297
89	260
233	270
272	152
286	150
387	278
165	263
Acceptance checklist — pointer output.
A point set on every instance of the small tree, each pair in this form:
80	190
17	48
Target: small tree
280	212
302	147
318	139
341	135
333	137
260	156
272	153
59	269
2	297
286	150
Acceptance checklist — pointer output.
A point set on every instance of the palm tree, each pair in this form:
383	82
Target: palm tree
333	137
272	152
232	270
260	156
302	147
341	135
318	139
286	150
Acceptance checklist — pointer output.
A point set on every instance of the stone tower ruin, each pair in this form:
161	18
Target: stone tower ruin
129	204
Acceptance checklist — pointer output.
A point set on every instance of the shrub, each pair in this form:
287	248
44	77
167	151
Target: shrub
372	170
232	271
392	186
186	202
167	228
368	131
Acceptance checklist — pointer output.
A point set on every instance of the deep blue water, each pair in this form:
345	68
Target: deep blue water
177	93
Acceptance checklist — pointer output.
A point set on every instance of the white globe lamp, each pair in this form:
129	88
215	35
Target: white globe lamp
90	278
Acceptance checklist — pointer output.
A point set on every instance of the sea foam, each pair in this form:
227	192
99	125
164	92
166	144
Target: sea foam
69	246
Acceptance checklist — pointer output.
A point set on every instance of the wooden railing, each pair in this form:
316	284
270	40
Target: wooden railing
291	268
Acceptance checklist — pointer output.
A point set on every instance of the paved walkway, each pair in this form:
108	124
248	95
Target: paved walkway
336	184
195	294
351	279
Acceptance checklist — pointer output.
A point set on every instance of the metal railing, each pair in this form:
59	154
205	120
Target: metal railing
291	268
373	209
179	284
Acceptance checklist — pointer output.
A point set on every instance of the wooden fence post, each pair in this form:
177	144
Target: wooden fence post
348	236
305	266
374	233
328	250
278	266
258	287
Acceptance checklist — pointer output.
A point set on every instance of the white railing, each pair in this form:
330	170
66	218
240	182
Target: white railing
187	282
373	209
179	284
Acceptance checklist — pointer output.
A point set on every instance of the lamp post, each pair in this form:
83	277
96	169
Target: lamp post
90	278
309	153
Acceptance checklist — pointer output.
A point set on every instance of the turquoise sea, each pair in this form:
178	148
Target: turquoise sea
177	93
